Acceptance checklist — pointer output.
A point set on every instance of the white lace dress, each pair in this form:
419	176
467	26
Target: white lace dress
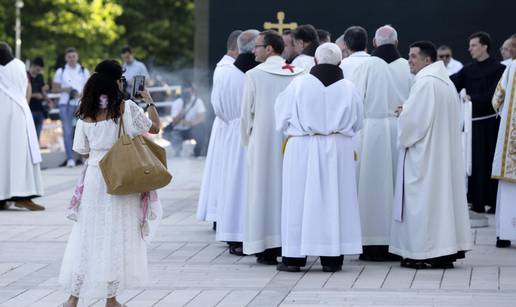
105	252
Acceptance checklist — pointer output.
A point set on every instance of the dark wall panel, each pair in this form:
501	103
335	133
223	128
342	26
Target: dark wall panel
443	22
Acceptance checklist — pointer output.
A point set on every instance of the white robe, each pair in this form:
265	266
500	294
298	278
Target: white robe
262	223
402	81
349	64
19	158
453	67
376	173
231	197
435	220
207	206
305	62
320	215
504	163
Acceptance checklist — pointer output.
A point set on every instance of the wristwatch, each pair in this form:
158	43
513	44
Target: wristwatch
148	105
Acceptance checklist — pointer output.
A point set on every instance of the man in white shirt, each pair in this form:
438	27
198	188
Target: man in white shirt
444	53
69	81
132	67
355	45
188	114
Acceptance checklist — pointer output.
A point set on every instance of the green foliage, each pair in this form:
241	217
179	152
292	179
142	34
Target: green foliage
160	32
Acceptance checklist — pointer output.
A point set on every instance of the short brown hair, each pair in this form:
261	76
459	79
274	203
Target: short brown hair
273	39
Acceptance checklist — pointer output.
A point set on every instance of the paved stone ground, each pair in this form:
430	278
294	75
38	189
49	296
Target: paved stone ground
188	268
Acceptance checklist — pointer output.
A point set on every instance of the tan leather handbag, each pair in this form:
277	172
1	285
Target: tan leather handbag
134	165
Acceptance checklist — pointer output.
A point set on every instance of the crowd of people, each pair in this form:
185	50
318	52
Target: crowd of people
326	149
318	149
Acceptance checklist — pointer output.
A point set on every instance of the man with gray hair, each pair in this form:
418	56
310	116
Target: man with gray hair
207	207
385	42
320	215
227	101
340	42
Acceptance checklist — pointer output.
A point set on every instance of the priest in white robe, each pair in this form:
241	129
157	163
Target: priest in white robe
385	42
207	206
319	113
504	163
262	223
431	225
20	156
376	171
355	45
232	197
306	42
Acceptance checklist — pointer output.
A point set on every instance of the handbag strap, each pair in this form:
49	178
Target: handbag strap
121	126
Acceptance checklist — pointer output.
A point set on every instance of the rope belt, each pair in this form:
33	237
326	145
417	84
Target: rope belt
483	117
285	142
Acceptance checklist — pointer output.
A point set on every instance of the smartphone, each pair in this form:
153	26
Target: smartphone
138	85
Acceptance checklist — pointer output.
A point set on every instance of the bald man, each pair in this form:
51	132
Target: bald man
320	215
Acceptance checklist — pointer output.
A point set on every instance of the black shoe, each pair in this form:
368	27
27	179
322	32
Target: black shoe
502	243
393	257
441	264
78	162
332	269
236	250
413	264
267	260
63	164
287	268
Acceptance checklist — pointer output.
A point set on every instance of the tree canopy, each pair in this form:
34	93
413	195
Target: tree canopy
160	32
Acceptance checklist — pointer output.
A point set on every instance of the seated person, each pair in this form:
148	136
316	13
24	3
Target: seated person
188	114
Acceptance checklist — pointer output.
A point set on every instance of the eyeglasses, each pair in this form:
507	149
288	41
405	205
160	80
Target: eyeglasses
444	56
260	46
122	79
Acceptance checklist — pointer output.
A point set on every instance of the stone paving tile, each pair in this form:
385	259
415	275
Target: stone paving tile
189	268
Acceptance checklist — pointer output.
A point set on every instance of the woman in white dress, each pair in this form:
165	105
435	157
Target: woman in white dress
106	252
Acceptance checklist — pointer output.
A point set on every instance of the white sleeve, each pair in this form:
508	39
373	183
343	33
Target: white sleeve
199	107
282	107
80	141
175	109
140	123
248	105
58	77
144	71
417	116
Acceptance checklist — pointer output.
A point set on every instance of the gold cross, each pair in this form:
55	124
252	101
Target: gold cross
280	25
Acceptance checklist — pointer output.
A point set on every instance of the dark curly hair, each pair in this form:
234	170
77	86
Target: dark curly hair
102	82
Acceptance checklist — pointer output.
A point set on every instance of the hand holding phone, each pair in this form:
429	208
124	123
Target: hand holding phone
138	86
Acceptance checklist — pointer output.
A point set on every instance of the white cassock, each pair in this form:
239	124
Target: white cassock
20	156
453	67
305	62
262	223
504	163
349	64
402	81
431	217
231	197
376	172
207	207
320	215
